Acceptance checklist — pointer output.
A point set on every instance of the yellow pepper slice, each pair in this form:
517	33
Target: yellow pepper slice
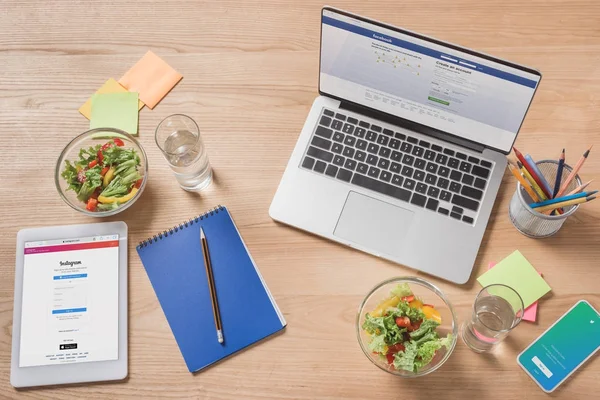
432	313
110	174
127	197
384	305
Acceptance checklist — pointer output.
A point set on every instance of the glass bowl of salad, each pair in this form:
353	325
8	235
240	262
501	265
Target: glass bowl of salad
407	327
101	172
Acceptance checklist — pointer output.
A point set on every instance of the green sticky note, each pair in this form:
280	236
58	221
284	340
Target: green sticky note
515	271
115	110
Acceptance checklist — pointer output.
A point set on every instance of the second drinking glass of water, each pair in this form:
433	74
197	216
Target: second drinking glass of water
178	137
498	309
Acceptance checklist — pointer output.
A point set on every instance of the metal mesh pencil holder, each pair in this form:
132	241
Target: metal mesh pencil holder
532	223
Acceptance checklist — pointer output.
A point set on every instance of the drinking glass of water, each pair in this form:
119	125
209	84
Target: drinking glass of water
498	309
178	137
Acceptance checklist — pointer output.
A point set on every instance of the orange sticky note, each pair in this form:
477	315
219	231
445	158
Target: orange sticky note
152	78
110	86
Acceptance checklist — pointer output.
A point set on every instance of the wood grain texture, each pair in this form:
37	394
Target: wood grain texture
250	76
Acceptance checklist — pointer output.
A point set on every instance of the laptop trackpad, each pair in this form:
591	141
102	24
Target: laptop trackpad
374	224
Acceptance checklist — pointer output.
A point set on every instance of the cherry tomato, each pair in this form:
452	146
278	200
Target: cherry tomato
138	183
396	348
118	142
100	156
408	298
104	171
403	322
91	204
93	163
107	145
390	358
417	324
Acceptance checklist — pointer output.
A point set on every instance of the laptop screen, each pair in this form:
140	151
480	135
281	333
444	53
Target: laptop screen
469	95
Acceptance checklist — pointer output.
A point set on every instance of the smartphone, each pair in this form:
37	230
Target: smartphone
563	347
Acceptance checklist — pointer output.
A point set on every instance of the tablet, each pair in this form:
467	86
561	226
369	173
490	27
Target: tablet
70	305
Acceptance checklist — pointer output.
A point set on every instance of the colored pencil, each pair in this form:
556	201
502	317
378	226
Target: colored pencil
565	204
523	182
532	181
535	177
579	188
542	180
562	199
559	172
574	172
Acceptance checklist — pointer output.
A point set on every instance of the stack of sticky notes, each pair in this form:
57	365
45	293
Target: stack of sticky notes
117	104
516	272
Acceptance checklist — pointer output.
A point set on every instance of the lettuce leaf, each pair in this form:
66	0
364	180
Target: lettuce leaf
69	174
429	336
115	188
406	359
377	344
119	155
401	290
87	155
385	327
427	350
427	326
93	180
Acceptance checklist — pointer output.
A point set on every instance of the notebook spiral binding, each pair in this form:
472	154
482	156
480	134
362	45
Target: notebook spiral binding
182	225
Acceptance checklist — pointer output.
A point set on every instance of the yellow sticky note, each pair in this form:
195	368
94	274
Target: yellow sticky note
516	272
152	78
110	86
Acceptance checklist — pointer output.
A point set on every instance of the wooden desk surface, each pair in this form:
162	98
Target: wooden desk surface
250	76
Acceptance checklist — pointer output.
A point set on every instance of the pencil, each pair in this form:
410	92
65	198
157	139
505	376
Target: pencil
559	172
532	181
562	199
579	188
523	182
565	204
211	286
574	172
541	179
533	174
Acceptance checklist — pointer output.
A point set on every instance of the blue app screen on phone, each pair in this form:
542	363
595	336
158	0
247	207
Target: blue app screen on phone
563	347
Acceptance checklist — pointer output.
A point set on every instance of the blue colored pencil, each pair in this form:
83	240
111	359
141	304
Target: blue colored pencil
562	199
543	180
559	172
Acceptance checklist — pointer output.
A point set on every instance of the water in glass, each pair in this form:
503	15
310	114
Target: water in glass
188	160
491	322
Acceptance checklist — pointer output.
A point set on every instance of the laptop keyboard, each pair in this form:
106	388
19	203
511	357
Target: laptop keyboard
418	172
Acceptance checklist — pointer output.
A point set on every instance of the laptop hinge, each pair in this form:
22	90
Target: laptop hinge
411	125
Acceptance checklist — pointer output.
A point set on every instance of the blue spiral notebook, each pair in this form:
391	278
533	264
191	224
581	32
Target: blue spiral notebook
174	263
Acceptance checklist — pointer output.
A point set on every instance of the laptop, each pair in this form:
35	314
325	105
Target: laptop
403	152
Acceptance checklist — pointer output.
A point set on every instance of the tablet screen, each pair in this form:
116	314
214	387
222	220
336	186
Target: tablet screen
70	305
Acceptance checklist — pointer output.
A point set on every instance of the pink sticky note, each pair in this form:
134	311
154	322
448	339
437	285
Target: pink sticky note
530	313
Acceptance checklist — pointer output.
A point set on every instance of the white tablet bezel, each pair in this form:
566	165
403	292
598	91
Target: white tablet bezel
76	372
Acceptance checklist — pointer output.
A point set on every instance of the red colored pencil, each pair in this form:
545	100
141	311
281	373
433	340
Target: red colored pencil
535	176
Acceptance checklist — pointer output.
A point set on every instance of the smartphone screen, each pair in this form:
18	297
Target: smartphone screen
567	344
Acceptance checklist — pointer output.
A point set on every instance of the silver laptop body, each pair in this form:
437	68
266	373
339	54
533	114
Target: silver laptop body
403	152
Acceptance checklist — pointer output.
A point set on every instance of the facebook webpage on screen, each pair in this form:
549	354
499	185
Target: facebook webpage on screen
424	82
70	305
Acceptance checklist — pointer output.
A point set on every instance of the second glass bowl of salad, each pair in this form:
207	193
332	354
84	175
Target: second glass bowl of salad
407	327
101	172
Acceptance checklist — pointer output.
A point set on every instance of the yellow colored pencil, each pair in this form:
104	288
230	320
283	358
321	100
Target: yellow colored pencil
567	203
579	188
523	182
532	181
